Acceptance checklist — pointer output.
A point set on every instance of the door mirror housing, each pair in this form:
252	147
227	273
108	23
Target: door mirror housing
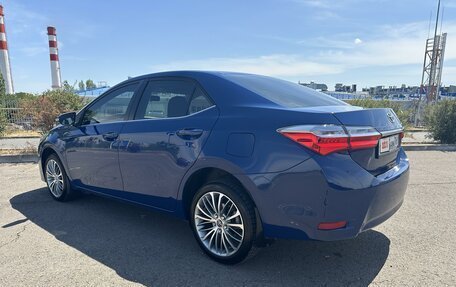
67	119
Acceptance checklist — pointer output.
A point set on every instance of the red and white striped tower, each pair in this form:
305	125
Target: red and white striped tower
54	53
5	67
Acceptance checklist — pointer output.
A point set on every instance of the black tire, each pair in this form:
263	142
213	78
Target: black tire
247	212
67	193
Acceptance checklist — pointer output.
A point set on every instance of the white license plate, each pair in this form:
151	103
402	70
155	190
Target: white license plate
388	144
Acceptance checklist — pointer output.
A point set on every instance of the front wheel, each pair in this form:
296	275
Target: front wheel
57	180
223	222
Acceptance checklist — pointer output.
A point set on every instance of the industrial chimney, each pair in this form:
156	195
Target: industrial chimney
55	65
5	67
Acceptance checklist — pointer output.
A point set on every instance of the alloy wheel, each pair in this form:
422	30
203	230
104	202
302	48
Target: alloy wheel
219	224
54	178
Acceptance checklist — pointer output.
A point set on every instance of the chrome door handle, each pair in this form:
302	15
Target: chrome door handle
110	136
189	133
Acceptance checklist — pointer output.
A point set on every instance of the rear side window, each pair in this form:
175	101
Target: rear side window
171	98
199	102
283	93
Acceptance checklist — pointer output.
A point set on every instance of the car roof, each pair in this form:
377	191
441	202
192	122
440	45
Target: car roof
224	92
234	89
190	73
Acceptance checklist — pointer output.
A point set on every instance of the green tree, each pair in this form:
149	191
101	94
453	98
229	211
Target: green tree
3	119
67	87
90	84
2	86
44	108
81	85
440	119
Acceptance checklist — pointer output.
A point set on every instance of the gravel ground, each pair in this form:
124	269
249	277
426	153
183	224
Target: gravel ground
99	242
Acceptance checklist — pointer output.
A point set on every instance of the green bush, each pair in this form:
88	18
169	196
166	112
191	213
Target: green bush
441	121
3	121
44	109
398	107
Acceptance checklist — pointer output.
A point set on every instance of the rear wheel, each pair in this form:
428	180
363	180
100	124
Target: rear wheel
223	222
57	180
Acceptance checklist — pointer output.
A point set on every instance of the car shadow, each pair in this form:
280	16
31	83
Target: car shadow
154	249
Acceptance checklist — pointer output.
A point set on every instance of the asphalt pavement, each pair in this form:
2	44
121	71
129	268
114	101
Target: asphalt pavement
94	241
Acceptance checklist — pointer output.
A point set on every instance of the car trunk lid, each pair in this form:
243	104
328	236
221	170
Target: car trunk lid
376	160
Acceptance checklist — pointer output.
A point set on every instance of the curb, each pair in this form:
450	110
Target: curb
429	147
20	137
19	158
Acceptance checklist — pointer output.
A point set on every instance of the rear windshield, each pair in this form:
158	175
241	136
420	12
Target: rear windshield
283	93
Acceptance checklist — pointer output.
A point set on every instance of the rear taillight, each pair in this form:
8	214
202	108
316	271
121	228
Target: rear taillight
325	139
363	137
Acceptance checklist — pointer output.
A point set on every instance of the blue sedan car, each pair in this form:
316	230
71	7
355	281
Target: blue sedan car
242	157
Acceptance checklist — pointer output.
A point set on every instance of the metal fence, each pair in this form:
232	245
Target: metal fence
14	114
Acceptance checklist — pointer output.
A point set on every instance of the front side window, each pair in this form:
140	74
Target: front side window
171	98
111	108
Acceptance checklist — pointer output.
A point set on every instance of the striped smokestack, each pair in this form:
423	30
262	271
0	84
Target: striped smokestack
54	53
5	67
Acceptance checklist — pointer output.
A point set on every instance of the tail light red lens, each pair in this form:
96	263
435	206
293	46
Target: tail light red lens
326	139
323	139
332	225
363	137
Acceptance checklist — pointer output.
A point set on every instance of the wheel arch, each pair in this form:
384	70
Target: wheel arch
202	175
46	151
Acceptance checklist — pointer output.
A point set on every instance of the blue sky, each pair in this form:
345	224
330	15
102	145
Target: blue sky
367	42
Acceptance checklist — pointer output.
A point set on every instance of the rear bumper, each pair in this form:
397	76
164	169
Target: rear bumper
365	208
292	204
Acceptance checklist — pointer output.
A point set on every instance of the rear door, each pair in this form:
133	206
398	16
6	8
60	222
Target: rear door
379	159
172	123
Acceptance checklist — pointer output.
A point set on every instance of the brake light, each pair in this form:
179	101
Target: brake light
363	137
326	139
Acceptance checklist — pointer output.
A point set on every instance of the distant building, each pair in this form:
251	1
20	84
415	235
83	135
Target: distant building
339	87
402	93
449	91
92	92
315	86
393	92
452	89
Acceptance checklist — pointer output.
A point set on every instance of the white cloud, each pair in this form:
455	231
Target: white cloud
449	75
316	3
358	41
33	50
389	47
274	65
393	46
20	19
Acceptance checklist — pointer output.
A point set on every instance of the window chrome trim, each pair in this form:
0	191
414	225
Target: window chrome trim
392	132
172	118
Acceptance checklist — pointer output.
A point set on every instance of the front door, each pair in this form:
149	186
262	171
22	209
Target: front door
92	146
173	121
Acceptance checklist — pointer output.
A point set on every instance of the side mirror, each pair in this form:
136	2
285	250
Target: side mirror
67	119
